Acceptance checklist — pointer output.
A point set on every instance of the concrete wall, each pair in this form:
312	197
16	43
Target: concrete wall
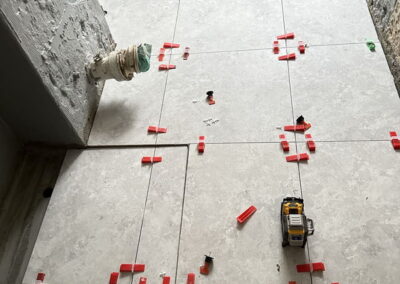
386	15
10	155
58	39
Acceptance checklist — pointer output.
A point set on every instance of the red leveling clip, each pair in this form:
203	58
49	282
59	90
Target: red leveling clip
302	47
155	129
284	143
395	140
191	278
276	47
310	267
126	268
298	127
286	36
246	214
171	45
166	280
149	160
296	158
292	282
142	280
291	56
114	278
202	145
164	67
40	276
140	267
162	54
310	142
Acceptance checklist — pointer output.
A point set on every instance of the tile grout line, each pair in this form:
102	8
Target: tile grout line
182	210
295	135
155	144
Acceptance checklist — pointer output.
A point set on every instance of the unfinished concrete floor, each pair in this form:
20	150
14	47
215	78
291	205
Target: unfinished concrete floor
107	208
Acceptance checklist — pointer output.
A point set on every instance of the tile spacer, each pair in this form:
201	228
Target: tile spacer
171	45
318	266
292	282
246	214
162	54
191	278
298	127
126	268
40	277
276	47
142	280
155	129
164	67
114	278
150	160
291	56
310	267
202	145
208	263
310	142
284	143
186	53
395	140
299	157
301	47
141	267
286	36
166	280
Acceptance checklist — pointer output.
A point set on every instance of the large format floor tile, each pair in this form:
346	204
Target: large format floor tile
139	21
158	247
345	92
351	190
94	219
252	96
128	108
223	182
228	24
329	22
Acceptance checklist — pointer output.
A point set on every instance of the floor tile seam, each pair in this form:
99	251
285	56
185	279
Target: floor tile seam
182	211
171	145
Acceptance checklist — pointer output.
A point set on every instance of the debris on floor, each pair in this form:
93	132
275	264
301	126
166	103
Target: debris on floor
246	214
286	36
210	97
395	140
210	121
162	54
278	267
371	45
298	157
206	268
202	145
186	53
300	121
310	143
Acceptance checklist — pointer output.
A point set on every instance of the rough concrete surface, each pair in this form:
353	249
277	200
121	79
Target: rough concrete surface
60	37
386	15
